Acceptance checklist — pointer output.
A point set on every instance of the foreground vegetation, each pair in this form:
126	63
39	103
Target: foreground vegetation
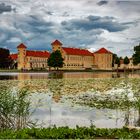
68	133
14	109
116	93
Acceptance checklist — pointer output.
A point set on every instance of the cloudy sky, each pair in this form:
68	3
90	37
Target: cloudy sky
90	24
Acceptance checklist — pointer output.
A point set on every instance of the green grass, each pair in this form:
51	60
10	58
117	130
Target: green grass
69	133
46	70
9	70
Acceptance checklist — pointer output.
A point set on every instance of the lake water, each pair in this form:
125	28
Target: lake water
66	114
55	109
26	76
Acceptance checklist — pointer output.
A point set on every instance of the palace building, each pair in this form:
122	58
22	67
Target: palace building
74	58
28	59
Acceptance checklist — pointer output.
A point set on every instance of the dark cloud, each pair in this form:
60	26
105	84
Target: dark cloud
38	24
8	34
5	8
43	26
96	22
65	14
100	3
33	24
49	13
31	30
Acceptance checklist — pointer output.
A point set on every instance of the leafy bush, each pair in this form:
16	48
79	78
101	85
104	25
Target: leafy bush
68	133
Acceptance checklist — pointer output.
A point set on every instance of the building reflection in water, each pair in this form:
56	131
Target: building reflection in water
30	76
88	75
65	75
56	91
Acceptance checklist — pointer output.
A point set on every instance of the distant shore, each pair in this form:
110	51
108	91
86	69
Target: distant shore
47	71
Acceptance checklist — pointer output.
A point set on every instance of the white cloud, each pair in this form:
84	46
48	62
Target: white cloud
14	40
15	27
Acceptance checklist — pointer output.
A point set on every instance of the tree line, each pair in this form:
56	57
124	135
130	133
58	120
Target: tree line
6	61
126	61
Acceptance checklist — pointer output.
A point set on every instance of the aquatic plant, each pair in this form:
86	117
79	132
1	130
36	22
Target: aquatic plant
100	93
121	96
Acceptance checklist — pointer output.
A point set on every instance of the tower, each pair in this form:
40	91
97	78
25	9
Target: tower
21	56
56	45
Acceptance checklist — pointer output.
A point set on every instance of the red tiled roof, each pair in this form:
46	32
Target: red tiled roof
56	42
103	50
14	56
21	46
77	51
37	53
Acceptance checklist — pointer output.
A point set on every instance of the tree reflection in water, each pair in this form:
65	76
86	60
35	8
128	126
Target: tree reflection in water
55	87
55	75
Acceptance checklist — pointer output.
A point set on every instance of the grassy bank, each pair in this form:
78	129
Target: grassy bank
9	70
68	133
66	70
44	70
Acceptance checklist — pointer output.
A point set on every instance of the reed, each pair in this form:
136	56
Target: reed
14	109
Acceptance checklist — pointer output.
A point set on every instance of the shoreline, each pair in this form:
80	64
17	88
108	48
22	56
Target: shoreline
46	71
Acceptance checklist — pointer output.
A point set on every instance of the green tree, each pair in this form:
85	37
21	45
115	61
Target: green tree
126	60
136	55
117	61
113	59
5	60
55	60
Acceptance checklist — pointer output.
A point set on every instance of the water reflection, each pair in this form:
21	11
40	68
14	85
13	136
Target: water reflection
137	123
89	75
55	109
8	77
66	114
55	75
65	75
